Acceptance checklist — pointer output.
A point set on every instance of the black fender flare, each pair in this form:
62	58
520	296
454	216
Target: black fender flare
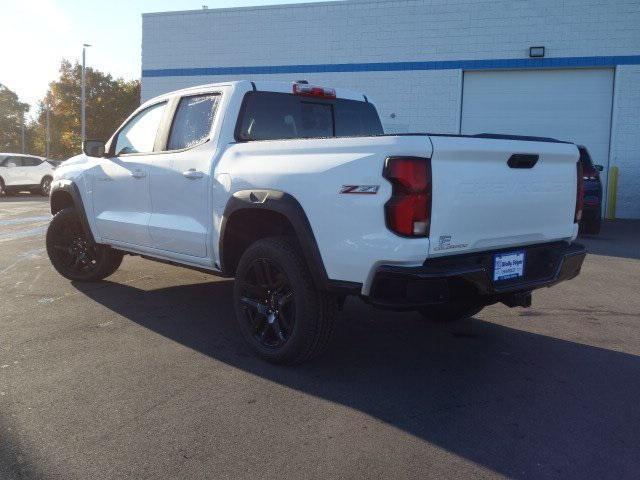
73	191
286	205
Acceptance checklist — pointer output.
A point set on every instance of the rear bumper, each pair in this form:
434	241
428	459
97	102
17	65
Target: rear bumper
446	279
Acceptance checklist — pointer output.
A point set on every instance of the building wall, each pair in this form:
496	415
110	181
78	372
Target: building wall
625	139
357	44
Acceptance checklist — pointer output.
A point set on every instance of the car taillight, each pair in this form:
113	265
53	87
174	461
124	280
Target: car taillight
306	90
408	211
579	194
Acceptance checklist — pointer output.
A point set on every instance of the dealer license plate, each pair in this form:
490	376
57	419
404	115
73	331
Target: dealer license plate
508	265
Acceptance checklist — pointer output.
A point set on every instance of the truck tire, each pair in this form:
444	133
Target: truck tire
451	312
283	318
75	256
2	188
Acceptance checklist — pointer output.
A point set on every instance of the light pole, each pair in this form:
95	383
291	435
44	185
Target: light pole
47	134
83	118
22	132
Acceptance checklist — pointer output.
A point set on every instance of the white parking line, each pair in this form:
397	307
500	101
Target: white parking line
32	232
17	221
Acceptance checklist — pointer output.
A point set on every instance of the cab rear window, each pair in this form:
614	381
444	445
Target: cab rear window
280	116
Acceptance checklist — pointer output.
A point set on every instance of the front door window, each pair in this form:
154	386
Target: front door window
139	135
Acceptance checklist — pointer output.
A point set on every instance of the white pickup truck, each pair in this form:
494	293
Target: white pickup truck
295	191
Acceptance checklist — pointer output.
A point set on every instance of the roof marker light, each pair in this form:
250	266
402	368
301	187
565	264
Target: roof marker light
313	91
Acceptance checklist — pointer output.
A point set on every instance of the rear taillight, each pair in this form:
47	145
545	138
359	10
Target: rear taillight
579	194
408	211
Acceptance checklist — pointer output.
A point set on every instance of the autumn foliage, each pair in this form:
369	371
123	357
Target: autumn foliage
109	102
12	115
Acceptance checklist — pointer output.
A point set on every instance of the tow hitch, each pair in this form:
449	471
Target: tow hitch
518	299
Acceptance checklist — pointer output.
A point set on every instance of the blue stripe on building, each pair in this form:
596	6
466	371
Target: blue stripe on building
508	63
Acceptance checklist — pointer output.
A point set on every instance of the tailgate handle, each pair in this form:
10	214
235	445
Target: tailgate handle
521	160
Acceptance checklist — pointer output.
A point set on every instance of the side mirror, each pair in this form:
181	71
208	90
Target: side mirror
93	148
600	168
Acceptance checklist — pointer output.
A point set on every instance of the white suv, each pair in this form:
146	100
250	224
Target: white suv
25	172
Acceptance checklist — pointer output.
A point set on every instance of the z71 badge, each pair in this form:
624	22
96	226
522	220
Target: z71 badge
362	189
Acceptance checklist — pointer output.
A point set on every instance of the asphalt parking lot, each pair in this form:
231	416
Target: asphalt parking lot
145	376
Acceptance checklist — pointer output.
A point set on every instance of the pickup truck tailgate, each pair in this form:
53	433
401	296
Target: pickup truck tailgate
483	201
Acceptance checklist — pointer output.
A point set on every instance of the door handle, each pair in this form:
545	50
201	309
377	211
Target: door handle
520	160
192	174
138	174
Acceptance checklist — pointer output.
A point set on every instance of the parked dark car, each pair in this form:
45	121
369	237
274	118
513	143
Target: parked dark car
592	212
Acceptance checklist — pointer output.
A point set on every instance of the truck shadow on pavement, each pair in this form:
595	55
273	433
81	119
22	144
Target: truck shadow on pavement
520	404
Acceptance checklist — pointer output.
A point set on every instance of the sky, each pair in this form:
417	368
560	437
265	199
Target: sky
38	34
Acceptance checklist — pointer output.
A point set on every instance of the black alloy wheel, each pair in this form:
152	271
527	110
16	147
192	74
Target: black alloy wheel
72	250
73	254
281	314
268	303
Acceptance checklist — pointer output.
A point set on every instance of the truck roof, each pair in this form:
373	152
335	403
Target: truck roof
260	86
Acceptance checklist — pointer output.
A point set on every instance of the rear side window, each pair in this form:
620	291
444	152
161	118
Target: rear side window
32	161
279	116
14	162
192	121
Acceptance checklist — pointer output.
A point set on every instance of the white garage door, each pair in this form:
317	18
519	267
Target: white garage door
573	105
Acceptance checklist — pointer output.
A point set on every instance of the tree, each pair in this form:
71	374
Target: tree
12	113
109	102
